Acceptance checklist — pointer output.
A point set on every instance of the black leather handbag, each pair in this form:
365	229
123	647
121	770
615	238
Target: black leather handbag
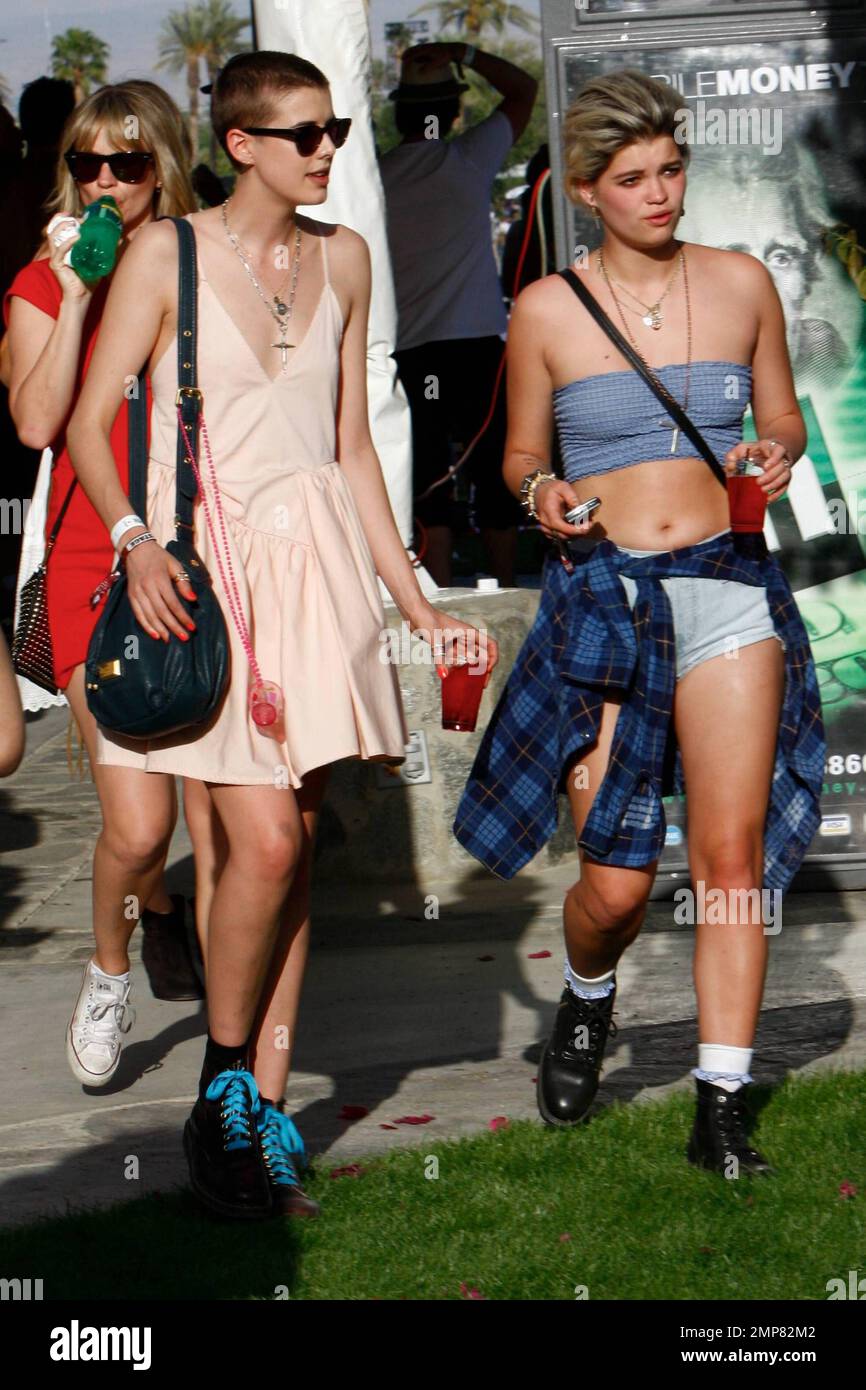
137	685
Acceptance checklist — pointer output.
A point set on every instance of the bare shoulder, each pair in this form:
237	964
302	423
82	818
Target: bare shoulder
538	299
152	256
349	266
345	246
737	270
155	240
536	314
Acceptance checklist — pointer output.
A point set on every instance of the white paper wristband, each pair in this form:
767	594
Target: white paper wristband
125	524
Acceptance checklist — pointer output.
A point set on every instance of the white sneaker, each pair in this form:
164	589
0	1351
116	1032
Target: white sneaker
93	1039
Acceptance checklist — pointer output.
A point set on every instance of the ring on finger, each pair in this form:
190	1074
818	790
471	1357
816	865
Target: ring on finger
181	574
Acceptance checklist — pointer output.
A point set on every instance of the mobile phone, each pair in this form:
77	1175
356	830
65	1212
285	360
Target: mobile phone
584	509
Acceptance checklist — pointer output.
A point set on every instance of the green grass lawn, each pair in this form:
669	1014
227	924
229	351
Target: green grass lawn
521	1213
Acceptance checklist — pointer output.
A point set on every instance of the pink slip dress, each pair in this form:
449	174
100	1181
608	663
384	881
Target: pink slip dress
302	564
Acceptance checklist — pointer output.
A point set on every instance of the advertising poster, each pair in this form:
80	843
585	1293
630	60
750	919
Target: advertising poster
777	130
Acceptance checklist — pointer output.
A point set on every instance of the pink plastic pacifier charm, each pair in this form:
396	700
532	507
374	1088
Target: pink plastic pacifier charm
266	703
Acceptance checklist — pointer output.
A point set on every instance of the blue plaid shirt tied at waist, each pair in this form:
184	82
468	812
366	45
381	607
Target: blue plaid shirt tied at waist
584	645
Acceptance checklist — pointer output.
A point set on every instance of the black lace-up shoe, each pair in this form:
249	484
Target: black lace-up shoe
570	1064
719	1139
284	1155
166	953
223	1148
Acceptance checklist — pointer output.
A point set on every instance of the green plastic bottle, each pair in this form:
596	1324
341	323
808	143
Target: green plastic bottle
94	253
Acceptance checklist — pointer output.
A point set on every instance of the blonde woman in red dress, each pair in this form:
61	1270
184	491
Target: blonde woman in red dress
53	321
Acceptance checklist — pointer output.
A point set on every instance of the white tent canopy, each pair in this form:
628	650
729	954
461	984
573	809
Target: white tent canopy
335	35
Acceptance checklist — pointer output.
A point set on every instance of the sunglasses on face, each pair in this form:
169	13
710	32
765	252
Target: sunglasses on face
307	137
127	166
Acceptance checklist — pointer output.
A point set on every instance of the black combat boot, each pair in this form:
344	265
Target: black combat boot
166	953
719	1135
570	1064
223	1148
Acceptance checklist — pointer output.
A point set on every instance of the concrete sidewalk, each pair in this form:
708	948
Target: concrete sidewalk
403	1013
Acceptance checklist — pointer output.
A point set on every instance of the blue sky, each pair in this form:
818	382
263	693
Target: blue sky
131	28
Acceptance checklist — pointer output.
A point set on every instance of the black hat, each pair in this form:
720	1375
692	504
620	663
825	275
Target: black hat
425	81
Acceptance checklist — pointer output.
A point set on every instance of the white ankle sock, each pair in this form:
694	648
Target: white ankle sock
725	1066
105	975
588	989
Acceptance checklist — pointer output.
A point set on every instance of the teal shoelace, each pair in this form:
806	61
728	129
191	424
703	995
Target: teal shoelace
282	1146
240	1100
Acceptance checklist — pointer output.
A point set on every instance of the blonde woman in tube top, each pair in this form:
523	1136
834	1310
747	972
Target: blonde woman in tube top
666	654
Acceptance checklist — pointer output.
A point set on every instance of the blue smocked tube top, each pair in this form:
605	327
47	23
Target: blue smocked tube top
613	420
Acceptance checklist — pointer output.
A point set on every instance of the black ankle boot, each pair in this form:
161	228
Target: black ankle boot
166	953
223	1148
568	1073
720	1133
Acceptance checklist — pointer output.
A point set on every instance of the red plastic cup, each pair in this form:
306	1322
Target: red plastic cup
747	501
462	688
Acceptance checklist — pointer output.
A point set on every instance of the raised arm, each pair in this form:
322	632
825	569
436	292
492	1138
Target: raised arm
43	356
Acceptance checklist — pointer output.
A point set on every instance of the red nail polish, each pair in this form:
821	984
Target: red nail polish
184	637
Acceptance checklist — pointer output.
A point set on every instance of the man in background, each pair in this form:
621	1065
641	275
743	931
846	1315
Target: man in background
451	314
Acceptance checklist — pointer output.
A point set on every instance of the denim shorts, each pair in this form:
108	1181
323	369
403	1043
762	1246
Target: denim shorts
711	616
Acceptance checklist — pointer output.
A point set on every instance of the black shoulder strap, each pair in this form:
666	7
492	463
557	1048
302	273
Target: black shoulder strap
635	360
187	489
137	431
188	395
60	515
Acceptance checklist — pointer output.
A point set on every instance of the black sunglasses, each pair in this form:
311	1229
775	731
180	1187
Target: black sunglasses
307	137
127	166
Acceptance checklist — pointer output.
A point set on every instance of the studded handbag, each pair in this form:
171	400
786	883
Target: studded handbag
32	649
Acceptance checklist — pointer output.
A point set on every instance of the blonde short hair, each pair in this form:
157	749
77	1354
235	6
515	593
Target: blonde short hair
609	113
161	131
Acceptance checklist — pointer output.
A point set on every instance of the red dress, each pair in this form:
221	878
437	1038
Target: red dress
83	554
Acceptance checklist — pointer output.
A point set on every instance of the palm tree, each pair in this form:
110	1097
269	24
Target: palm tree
81	58
208	32
400	37
472	17
222	29
183	42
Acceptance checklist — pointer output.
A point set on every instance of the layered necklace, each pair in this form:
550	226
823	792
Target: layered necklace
652	315
275	305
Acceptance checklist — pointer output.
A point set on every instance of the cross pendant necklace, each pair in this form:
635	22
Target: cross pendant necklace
283	345
276	308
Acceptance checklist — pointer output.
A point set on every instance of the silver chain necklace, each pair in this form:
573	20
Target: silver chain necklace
279	311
